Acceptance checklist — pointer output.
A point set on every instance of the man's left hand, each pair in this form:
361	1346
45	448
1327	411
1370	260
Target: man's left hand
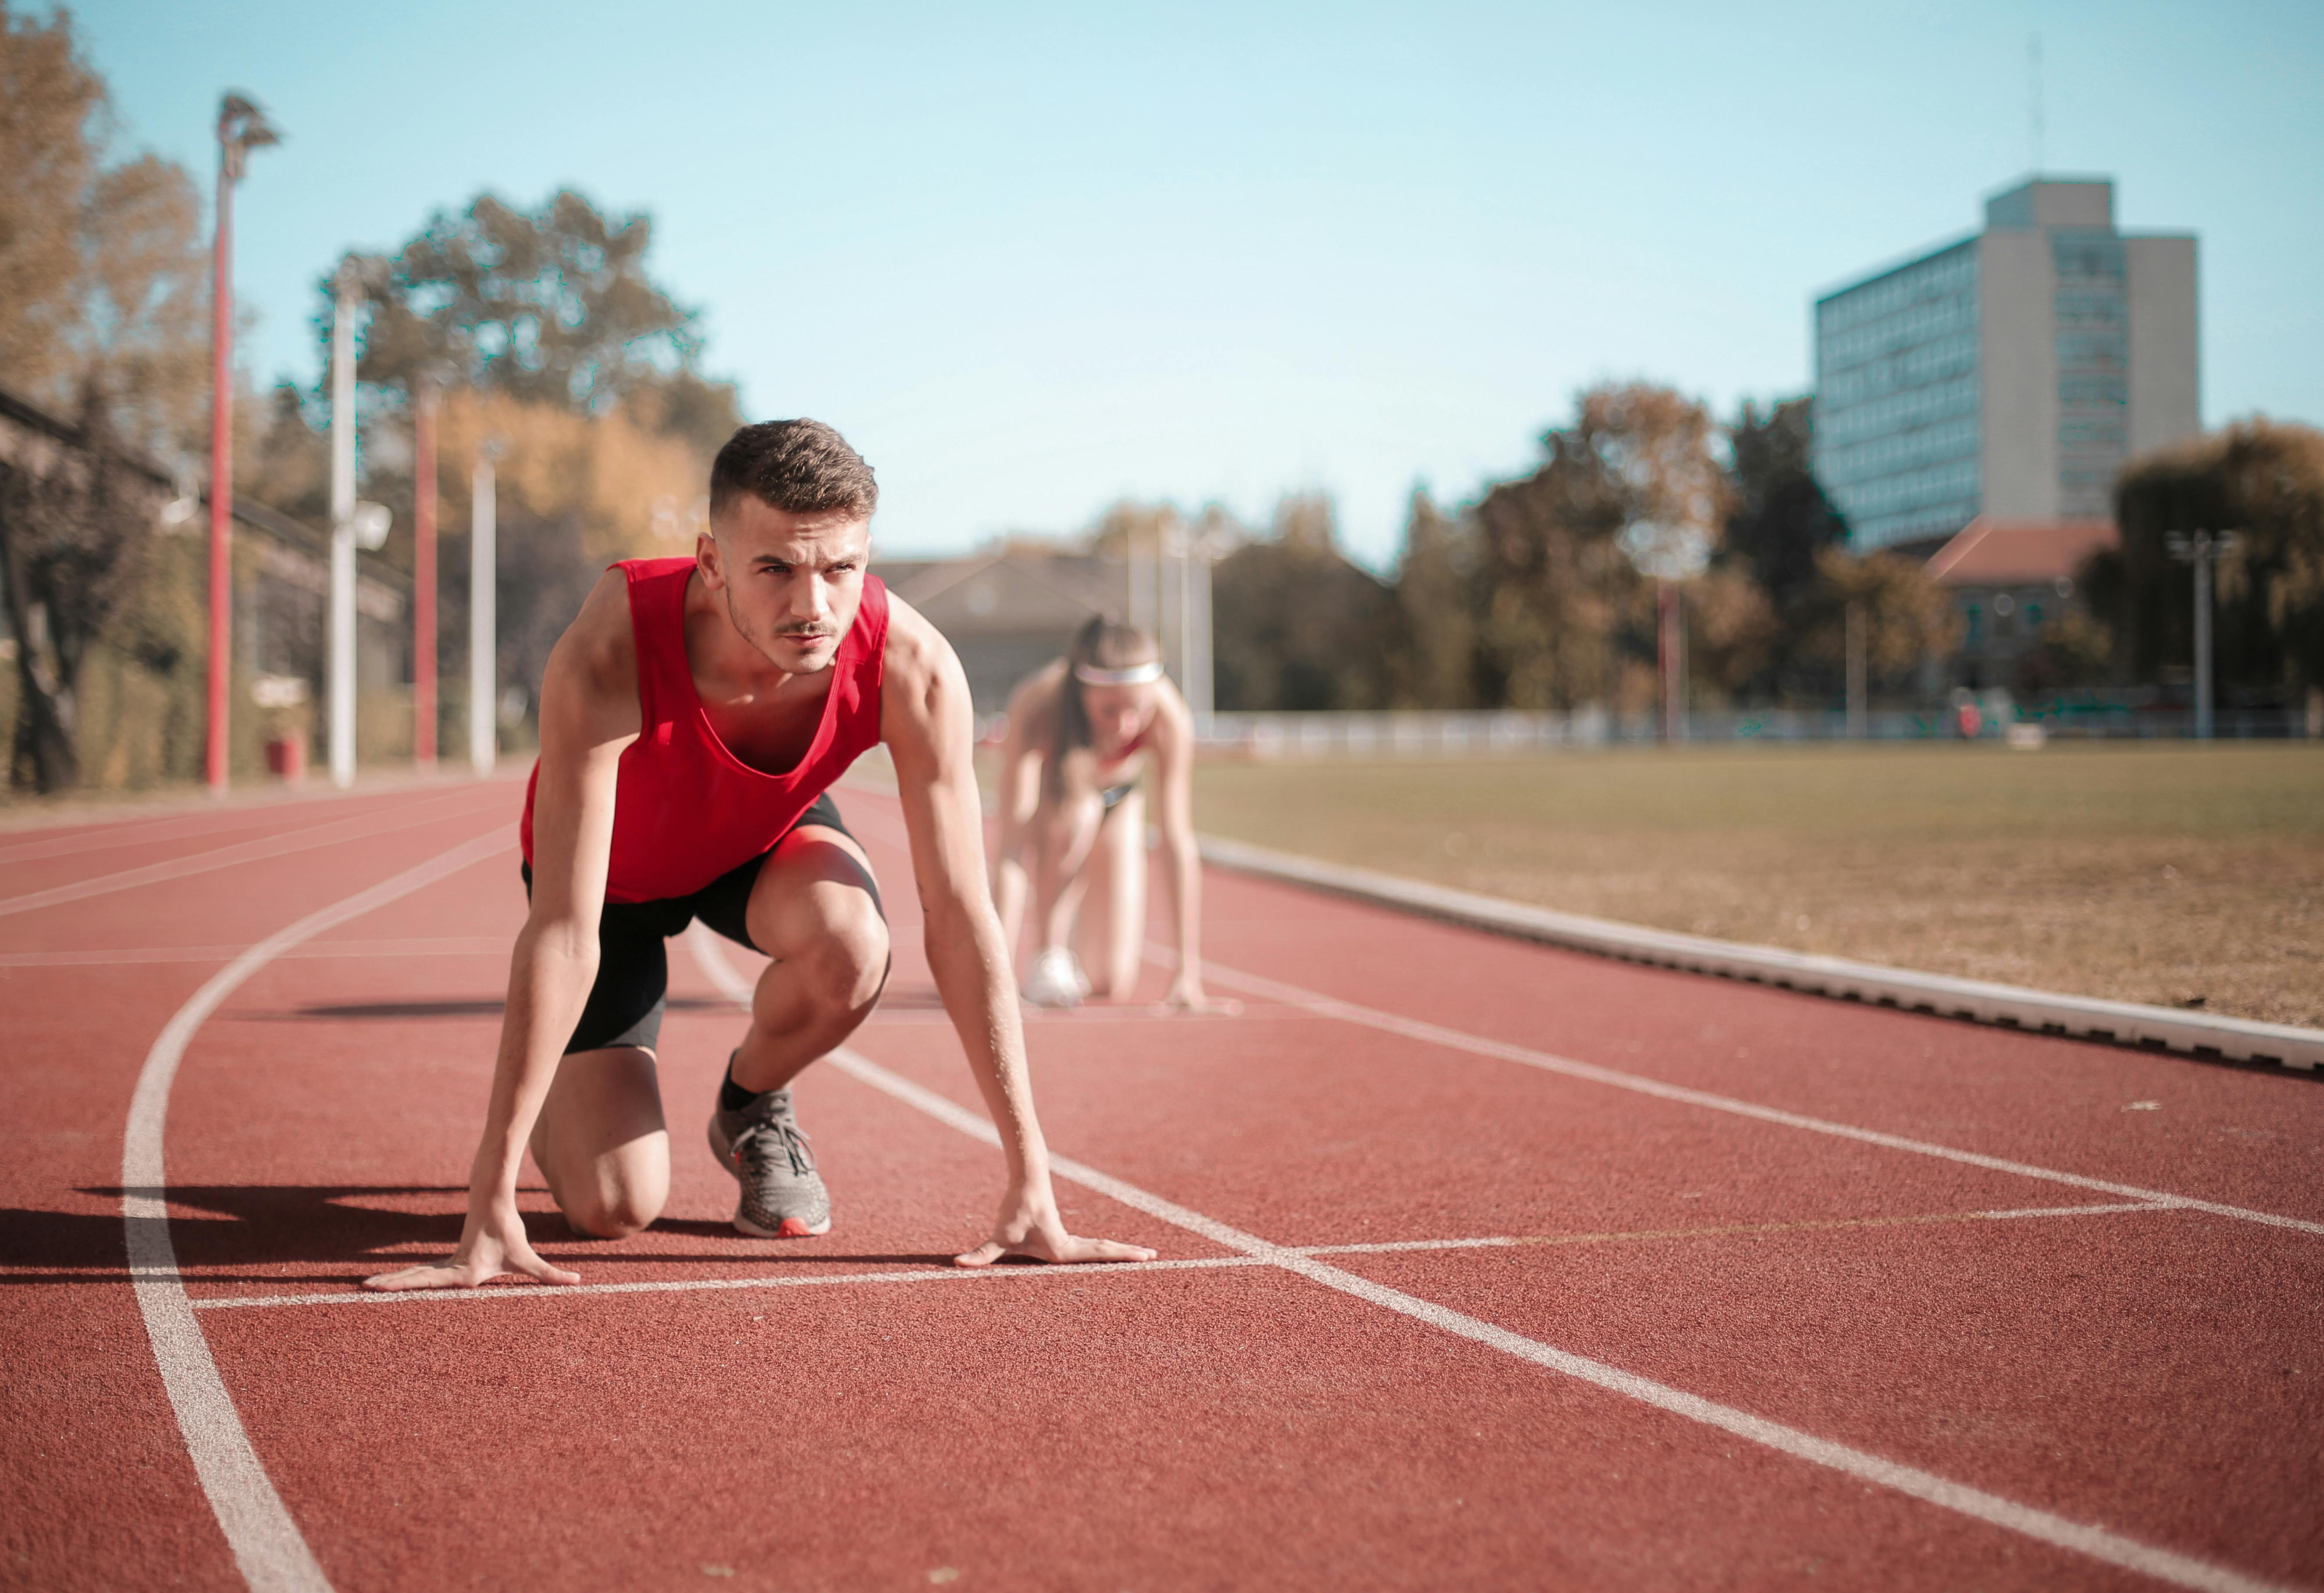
1035	1231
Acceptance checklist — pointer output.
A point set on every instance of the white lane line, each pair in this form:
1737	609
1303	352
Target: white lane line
1412	1029
2095	1542
1323	1006
919	1274
128	835
226	857
264	1540
948	1274
481	946
1734	1230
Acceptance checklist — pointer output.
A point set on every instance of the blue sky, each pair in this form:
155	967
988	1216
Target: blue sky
1034	258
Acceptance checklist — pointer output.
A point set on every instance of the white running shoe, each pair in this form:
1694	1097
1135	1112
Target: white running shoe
1056	979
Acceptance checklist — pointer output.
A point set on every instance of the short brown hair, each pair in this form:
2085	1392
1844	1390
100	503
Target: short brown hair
801	466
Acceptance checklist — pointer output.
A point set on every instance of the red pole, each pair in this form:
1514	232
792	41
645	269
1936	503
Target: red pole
221	672
423	578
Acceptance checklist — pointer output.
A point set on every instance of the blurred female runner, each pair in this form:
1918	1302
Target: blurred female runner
1073	820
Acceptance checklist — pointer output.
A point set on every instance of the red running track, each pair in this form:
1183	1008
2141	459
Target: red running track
1484	1265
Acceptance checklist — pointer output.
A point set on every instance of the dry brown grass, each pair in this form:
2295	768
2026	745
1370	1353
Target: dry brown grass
2174	874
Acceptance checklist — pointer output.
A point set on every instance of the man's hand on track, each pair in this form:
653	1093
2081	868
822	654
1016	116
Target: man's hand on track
494	1247
1040	1234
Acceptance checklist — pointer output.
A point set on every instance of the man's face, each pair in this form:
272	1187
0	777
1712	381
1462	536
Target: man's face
791	582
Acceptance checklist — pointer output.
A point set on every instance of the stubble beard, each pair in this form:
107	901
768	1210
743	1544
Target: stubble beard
765	645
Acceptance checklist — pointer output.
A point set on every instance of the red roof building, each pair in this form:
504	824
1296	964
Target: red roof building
2009	577
1990	552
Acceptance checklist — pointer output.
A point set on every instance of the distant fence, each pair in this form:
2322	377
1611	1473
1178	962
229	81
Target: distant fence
1420	734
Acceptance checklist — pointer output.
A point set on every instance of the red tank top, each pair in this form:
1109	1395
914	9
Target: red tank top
685	809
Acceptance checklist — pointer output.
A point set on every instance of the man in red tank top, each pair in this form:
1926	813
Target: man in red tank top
691	718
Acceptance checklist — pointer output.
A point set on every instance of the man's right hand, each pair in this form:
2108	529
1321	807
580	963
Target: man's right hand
492	1245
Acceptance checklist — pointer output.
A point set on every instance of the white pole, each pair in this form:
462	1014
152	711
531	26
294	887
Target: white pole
1205	696
482	689
343	534
1186	616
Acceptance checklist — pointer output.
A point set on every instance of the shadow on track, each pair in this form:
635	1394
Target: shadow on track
277	1225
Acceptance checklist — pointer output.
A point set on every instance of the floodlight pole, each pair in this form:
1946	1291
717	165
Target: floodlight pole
240	127
483	748
343	528
2201	550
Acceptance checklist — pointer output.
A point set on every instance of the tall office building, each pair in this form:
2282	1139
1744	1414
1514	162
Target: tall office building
2008	374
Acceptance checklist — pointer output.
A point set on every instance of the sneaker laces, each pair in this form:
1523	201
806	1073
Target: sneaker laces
757	1147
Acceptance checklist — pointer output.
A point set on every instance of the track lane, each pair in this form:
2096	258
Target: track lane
1551	1506
2222	1134
103	1447
2266	1281
291	839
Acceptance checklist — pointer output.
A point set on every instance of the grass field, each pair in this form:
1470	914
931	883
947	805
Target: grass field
2175	875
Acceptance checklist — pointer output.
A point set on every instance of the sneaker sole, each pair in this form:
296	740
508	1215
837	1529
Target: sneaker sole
793	1228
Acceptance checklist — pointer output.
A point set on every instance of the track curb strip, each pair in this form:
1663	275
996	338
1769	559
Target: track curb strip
2048	1012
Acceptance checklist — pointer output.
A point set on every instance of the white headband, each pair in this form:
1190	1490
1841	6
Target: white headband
1135	675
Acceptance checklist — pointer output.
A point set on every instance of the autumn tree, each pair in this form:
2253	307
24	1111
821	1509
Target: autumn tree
102	311
574	492
552	307
1567	618
2262	479
1904	616
549	335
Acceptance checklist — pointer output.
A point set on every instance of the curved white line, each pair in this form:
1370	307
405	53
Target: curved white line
223	857
267	1548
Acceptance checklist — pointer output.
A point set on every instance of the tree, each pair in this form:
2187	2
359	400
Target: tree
1568	619
1438	599
48	99
1296	625
73	537
2261	478
1779	518
573	493
103	303
1905	615
103	287
1779	523
551	307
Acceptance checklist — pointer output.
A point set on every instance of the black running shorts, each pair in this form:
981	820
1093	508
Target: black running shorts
625	1004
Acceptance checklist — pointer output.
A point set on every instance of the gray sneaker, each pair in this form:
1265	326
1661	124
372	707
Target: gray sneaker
763	1146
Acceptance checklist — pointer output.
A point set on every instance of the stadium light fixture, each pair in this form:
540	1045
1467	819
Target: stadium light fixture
242	126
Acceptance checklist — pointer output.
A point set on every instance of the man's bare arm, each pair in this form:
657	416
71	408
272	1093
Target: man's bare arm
588	714
928	725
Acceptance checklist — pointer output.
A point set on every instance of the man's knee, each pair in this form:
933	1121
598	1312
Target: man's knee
610	1214
844	959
